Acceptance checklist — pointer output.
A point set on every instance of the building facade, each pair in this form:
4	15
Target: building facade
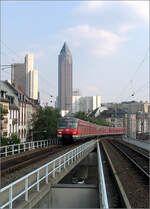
18	75
76	92
85	104
19	111
65	79
4	104
24	76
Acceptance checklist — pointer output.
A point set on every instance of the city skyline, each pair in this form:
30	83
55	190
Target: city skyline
108	40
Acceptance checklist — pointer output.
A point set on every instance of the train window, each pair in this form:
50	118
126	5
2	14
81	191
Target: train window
72	125
67	124
62	124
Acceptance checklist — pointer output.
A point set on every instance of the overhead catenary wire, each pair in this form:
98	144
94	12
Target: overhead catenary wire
138	90
130	82
12	51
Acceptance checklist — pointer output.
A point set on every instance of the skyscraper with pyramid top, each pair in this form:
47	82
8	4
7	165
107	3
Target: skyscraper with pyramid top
65	79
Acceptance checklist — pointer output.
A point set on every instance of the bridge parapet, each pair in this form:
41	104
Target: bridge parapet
26	146
46	174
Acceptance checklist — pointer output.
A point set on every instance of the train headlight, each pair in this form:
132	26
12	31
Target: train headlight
74	132
59	132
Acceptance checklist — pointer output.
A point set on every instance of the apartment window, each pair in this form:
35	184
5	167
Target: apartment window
4	133
19	118
24	133
5	107
22	114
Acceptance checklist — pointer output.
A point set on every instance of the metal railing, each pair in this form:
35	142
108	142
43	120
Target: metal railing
43	173
102	180
18	148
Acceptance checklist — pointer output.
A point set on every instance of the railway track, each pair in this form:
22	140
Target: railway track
123	176
140	160
21	161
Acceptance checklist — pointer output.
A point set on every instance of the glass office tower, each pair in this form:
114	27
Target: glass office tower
65	79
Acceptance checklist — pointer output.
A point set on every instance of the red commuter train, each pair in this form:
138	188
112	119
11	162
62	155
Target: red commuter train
72	129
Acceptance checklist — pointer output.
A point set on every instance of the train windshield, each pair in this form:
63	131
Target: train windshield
67	124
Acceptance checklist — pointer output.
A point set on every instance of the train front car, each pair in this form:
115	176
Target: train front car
67	130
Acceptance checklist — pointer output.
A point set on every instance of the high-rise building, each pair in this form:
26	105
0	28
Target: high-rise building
85	104
24	76
29	70
34	86
18	75
65	79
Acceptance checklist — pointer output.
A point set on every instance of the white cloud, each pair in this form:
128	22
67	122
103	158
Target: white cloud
140	7
97	41
90	6
92	90
126	27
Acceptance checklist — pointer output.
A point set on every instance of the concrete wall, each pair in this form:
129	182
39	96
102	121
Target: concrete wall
79	197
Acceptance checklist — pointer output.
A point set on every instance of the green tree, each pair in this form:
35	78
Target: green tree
13	139
98	121
44	123
81	115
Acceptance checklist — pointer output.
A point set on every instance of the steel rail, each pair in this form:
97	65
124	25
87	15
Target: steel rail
148	157
18	163
132	160
123	195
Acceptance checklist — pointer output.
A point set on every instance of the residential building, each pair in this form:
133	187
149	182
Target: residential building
115	117
142	124
20	109
130	107
4	103
65	79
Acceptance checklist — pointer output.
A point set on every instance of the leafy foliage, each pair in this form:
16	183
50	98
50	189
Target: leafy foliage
81	115
13	139
98	121
44	123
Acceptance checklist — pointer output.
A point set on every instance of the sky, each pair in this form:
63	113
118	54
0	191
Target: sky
109	42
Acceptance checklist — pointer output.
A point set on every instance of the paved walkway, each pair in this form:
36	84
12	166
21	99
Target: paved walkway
143	144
